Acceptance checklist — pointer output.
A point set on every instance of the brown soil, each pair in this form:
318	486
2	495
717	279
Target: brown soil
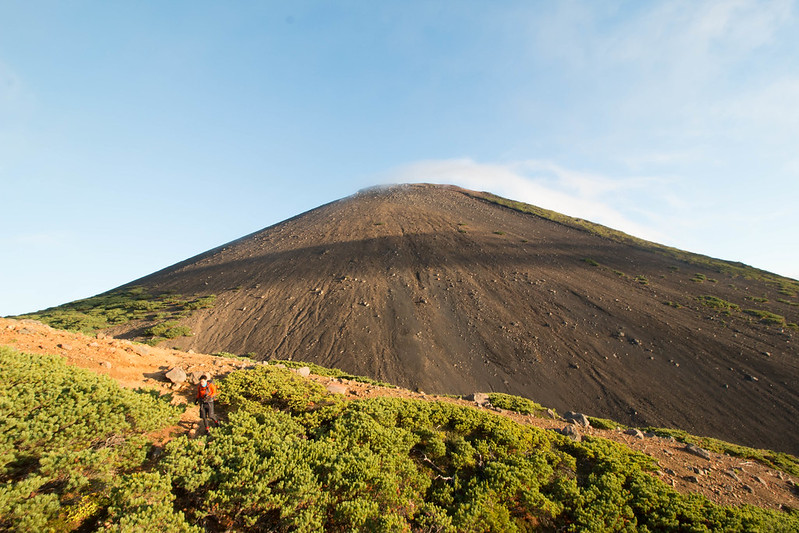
434	288
723	479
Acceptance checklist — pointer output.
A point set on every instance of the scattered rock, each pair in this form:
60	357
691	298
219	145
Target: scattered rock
140	349
64	346
280	365
480	398
26	331
94	344
303	371
336	388
101	336
177	375
577	418
194	377
634	432
696	450
570	431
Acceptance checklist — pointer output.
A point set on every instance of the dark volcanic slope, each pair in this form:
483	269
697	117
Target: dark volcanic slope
435	288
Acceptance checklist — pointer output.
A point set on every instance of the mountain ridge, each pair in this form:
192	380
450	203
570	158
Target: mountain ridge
442	289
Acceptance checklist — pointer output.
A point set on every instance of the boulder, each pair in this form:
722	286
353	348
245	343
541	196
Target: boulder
64	346
570	431
177	375
696	450
337	388
194	377
634	432
577	418
303	371
105	364
140	349
480	398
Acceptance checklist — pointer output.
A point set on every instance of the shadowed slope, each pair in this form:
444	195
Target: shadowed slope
441	289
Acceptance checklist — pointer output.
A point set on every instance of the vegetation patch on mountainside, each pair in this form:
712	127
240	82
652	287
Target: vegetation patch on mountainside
121	306
785	286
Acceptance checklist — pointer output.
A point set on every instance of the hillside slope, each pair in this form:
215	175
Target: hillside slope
445	290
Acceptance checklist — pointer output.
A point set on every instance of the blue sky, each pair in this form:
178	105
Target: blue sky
136	134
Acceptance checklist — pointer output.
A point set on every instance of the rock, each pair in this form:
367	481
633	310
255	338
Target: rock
650	434
101	336
177	375
551	414
634	432
761	481
64	346
94	344
692	479
26	331
140	349
696	450
670	472
194	377
748	489
336	388
574	366
106	364
570	431
479	398
732	474
280	365
750	377
303	371
191	352
577	418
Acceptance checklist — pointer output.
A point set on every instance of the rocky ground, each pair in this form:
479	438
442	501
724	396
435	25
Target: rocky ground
723	479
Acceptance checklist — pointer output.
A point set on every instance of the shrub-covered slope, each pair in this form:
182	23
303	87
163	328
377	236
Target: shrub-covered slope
291	456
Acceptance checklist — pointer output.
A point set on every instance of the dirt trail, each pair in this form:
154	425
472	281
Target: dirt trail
723	479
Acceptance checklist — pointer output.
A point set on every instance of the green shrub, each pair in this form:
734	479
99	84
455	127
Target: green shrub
331	372
516	403
590	262
168	330
65	434
392	464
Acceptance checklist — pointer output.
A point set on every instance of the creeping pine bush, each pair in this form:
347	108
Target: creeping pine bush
66	434
294	458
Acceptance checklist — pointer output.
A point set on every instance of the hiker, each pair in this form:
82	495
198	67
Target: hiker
206	394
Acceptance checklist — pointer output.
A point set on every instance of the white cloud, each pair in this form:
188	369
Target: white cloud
546	184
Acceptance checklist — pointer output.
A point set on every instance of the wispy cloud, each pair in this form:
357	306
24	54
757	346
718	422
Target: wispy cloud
546	184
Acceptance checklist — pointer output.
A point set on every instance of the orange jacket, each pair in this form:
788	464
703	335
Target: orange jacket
207	393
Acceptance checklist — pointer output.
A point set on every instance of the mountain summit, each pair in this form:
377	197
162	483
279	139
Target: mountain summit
448	290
